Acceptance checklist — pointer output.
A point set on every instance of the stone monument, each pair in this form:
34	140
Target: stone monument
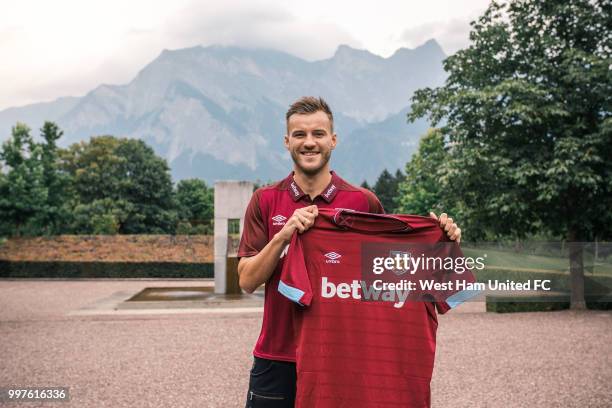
231	201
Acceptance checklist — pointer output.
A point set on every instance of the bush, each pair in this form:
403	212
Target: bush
67	269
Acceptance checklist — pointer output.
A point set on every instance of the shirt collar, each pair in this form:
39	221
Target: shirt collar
327	194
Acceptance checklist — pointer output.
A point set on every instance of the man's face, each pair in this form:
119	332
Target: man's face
310	141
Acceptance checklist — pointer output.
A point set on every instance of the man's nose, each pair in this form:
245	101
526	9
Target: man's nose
310	141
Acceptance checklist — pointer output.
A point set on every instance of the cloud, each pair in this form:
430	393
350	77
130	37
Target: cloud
73	66
69	47
256	24
452	34
250	24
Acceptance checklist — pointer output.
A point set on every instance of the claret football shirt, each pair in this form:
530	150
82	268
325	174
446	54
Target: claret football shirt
266	214
357	347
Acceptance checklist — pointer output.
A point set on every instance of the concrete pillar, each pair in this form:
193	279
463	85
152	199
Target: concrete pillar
231	201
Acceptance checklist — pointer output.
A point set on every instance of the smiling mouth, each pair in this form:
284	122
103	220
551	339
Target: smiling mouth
309	154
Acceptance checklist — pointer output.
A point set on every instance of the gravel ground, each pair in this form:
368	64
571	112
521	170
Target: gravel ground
552	359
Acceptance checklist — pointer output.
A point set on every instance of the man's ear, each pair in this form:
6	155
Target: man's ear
286	140
334	141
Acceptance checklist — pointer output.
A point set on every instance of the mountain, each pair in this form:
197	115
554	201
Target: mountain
370	149
219	112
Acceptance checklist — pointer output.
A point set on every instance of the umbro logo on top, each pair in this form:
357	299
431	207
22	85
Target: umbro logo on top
332	257
279	220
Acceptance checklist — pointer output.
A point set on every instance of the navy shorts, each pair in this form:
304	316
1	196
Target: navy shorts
271	384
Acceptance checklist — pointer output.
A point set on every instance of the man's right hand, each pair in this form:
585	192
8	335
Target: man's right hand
255	270
301	220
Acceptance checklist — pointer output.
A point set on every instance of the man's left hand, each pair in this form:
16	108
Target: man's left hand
447	224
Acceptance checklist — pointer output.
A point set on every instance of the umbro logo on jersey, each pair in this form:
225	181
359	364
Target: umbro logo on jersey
279	220
332	257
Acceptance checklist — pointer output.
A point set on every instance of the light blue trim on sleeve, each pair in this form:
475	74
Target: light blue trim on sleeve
458	298
294	294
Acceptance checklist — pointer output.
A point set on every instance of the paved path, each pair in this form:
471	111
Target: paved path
65	333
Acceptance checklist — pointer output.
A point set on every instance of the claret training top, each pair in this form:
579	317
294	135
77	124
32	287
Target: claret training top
270	207
357	353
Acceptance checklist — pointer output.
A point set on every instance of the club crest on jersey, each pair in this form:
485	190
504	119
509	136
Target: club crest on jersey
332	257
279	220
401	254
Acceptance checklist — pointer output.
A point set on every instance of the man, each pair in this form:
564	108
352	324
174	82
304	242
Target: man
274	213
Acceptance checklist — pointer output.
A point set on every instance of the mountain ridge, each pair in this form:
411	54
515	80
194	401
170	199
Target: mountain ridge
226	105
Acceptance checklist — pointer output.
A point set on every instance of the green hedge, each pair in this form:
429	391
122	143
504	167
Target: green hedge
536	303
494	304
65	269
597	291
560	282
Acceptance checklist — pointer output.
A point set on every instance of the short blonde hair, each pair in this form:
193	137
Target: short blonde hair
310	104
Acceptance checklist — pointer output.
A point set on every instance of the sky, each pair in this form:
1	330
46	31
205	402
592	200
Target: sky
60	48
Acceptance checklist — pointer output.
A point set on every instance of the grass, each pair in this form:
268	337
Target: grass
512	260
525	265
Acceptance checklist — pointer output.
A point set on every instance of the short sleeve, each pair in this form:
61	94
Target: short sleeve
374	204
294	283
461	279
255	231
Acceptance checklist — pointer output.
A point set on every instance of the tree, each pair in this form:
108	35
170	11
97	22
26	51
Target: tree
366	185
101	216
23	193
386	189
124	179
399	178
57	212
148	186
527	109
422	189
4	224
195	203
96	168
